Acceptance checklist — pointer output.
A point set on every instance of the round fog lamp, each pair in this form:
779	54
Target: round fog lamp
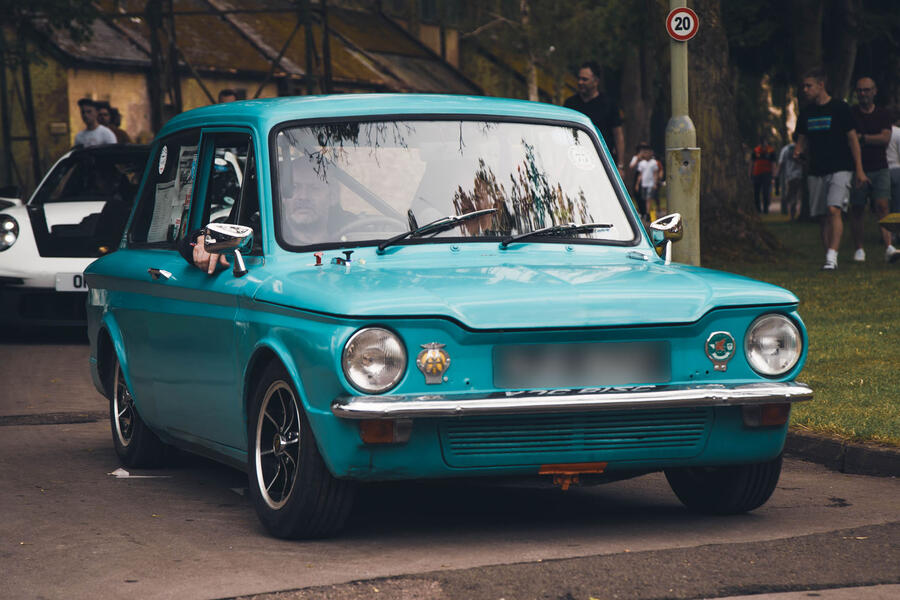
9	231
773	345
374	360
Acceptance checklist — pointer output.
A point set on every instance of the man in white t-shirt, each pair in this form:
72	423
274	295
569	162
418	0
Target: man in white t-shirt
648	179
94	134
893	160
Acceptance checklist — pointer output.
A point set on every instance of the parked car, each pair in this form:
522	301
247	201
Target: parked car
429	287
77	213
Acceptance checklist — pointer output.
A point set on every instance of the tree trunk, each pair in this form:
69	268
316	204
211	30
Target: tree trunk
531	74
635	110
806	21
840	67
728	221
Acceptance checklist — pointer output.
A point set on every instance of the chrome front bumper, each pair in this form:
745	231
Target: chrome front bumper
560	401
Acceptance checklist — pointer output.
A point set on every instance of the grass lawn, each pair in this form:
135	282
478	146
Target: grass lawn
853	318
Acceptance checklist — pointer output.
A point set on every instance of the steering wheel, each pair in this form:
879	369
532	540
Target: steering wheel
371	224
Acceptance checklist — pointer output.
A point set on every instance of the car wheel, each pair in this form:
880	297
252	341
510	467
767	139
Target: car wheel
294	493
725	490
135	444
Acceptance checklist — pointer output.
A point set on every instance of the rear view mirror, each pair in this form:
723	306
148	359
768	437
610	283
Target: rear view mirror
228	239
666	230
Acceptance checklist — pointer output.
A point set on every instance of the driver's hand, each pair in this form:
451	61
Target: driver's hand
206	261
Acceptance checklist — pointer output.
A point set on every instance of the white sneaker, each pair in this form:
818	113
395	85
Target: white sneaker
859	255
829	265
891	254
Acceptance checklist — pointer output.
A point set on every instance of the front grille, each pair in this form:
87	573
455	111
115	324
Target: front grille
594	437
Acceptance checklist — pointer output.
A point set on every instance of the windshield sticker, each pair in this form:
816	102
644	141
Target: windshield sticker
163	155
581	158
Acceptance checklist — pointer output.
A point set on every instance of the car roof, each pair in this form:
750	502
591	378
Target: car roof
265	113
111	149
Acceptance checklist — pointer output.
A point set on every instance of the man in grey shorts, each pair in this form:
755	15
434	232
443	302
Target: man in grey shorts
827	132
873	126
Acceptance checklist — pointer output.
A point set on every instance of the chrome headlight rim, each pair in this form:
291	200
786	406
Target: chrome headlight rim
362	385
9	231
758	363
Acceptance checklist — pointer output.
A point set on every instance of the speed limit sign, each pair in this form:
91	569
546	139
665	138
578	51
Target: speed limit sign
682	24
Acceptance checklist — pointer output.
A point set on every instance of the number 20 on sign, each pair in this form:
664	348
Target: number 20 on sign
682	24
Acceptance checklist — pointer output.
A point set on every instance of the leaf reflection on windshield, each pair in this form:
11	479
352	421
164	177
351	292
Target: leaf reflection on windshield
532	199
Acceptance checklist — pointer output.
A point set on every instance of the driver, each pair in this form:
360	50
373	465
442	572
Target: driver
306	198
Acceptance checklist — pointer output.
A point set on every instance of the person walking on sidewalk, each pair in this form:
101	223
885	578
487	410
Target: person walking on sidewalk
873	126
827	133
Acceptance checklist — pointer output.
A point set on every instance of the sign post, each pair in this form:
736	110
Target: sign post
682	153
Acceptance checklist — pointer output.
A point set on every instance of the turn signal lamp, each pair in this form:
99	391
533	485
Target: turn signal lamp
766	415
385	431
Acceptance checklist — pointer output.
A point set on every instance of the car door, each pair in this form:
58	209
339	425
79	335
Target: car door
178	321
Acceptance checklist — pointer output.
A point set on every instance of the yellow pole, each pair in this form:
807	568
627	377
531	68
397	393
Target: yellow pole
683	156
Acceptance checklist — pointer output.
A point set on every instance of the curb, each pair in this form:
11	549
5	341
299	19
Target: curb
843	456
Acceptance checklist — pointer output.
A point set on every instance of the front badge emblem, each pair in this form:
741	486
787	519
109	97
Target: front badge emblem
433	361
720	349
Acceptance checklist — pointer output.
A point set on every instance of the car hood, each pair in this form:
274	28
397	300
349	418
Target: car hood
518	294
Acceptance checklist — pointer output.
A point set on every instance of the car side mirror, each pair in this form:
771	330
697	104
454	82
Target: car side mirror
664	231
228	239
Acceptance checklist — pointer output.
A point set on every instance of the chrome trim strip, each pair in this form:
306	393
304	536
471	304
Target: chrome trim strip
556	401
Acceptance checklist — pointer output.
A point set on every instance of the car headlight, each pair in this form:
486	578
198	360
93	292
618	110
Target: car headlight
374	360
9	232
773	345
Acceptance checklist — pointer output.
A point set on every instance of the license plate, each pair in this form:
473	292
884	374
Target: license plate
582	364
71	282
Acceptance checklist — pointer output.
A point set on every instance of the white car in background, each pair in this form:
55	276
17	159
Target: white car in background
76	214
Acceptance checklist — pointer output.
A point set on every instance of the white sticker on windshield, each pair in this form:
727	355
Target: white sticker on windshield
163	155
580	156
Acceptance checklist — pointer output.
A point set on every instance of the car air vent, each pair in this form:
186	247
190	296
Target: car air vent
601	436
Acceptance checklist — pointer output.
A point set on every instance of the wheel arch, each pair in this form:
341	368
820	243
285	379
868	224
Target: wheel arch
265	352
109	348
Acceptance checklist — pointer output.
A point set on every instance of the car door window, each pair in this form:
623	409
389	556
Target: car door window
232	194
163	208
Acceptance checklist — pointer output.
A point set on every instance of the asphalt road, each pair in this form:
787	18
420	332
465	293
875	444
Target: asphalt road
72	530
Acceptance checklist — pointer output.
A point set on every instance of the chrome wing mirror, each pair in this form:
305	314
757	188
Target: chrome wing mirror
228	239
664	231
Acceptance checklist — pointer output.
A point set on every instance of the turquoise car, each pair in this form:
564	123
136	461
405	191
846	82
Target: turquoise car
427	287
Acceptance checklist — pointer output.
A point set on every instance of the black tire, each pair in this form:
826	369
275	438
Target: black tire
135	444
294	494
725	490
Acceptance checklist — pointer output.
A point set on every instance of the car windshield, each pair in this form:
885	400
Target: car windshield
361	182
89	177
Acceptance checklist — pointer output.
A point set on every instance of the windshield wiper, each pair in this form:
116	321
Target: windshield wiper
555	230
435	227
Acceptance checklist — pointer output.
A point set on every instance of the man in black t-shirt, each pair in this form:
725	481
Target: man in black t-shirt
873	126
826	130
600	109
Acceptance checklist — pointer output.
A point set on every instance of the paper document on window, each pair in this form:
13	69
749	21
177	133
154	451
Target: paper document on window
166	200
173	199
